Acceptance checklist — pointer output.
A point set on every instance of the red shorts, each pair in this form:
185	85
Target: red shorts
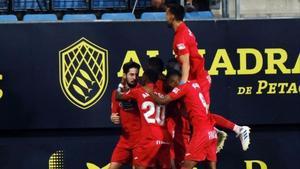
202	146
124	149
152	153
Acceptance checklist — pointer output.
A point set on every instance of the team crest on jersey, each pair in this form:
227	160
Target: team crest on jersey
181	46
175	90
83	72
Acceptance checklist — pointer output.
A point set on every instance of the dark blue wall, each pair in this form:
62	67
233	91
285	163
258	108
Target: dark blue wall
37	119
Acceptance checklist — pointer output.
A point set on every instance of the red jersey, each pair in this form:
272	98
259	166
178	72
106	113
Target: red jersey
159	85
195	104
185	43
130	118
152	115
176	119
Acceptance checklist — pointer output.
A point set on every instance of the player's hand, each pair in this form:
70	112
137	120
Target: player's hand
148	90
122	87
115	118
123	80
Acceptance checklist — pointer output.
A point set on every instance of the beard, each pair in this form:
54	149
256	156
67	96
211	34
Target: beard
131	85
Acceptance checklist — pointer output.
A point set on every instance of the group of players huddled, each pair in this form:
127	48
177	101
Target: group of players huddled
166	121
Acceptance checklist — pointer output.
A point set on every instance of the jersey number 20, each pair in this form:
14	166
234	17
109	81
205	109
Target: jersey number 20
151	108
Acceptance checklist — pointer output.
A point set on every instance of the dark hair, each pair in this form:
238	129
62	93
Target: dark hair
156	63
177	10
173	72
130	65
173	64
151	74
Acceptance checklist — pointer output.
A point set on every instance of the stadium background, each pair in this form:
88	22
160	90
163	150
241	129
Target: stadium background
38	123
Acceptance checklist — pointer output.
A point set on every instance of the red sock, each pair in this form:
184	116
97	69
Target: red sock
222	122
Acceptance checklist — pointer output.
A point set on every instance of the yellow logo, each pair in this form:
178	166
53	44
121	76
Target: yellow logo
56	160
90	165
83	72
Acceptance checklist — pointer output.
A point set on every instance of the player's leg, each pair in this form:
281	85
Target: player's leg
144	154
210	165
115	165
211	157
196	150
222	136
188	164
140	167
171	125
180	142
220	121
122	154
243	132
163	158
173	165
172	157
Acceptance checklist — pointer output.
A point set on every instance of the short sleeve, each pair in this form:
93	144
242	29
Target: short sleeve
178	92
181	47
115	107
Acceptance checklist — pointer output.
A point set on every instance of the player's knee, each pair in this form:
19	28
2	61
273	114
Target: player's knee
210	165
140	167
115	165
188	164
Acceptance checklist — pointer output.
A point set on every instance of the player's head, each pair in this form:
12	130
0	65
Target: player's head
172	79
156	64
174	13
149	76
131	72
173	64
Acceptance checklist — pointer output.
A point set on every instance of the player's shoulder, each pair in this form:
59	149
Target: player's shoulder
183	86
193	84
114	91
135	89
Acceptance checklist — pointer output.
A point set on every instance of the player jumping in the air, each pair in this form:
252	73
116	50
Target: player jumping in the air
192	63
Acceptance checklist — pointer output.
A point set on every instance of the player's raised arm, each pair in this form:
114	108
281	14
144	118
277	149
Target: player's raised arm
123	96
185	67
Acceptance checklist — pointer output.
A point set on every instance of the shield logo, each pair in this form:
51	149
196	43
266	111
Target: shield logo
83	72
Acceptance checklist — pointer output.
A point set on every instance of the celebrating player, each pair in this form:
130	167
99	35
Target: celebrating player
126	113
153	149
192	63
203	143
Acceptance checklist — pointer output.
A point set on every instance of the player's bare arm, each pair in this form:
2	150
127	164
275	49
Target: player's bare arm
121	96
185	67
160	100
